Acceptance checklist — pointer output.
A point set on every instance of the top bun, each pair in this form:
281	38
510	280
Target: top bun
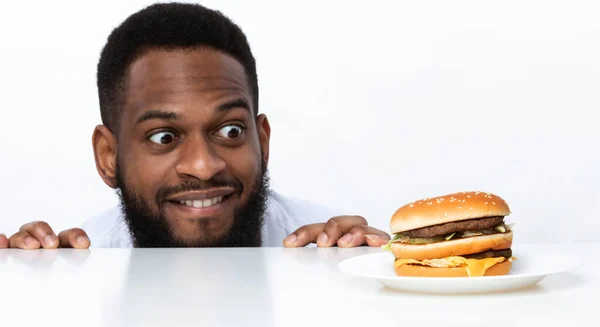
447	208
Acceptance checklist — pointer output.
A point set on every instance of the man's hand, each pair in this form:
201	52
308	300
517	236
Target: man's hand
343	231
3	241
39	234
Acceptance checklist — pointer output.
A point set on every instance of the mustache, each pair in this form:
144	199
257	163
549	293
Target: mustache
196	185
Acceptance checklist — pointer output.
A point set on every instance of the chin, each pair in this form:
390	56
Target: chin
201	231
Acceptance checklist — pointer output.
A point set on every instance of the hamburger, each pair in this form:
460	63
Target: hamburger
455	235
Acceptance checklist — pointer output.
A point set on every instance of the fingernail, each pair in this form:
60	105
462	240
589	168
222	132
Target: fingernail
291	239
346	239
1	234
49	240
82	240
372	237
30	242
323	238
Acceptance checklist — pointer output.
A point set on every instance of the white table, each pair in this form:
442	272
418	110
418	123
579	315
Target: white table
262	287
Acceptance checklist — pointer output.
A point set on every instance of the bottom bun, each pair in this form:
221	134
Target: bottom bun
499	269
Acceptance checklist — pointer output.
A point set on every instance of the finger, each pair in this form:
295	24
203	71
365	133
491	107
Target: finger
309	233
354	237
348	222
3	241
377	240
357	236
330	233
303	235
23	240
42	232
345	224
74	238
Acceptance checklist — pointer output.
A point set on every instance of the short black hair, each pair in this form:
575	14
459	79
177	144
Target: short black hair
167	26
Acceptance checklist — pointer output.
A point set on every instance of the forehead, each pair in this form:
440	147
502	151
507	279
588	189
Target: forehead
178	76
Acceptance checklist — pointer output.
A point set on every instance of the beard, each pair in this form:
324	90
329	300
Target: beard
149	228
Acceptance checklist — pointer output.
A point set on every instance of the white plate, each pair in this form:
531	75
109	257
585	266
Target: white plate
533	264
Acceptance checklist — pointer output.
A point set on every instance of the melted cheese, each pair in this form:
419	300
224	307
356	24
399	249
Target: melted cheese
475	267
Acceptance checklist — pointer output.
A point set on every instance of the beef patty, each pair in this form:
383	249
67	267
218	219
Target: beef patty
490	254
457	226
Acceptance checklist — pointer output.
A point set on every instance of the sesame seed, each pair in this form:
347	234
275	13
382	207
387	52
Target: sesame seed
468	196
494	203
429	203
486	203
412	205
477	193
459	207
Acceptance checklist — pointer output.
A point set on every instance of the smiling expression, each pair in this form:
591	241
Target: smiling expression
190	150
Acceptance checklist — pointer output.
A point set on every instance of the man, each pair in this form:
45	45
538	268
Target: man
184	145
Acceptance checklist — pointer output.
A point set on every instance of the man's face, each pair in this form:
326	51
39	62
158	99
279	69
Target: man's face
191	156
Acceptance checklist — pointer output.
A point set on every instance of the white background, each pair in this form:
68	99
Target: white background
371	104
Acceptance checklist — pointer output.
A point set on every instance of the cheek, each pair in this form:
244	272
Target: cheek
144	171
245	165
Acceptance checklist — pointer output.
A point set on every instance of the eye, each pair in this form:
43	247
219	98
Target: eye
231	131
163	138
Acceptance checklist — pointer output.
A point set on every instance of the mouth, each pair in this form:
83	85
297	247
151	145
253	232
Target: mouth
201	202
205	203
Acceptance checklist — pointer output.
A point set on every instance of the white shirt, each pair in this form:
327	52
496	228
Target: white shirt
283	216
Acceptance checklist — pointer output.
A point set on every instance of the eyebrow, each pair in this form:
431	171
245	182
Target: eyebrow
235	104
157	114
169	115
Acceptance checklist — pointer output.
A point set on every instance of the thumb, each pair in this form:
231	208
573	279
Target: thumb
303	236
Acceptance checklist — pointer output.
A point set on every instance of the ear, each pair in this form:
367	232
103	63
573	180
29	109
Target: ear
105	154
264	135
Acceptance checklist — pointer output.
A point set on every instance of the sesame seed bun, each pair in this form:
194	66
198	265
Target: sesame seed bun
502	268
447	208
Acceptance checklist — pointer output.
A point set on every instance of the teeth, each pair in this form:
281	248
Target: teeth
202	203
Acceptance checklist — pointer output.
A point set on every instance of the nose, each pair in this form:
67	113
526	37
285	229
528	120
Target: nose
199	160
